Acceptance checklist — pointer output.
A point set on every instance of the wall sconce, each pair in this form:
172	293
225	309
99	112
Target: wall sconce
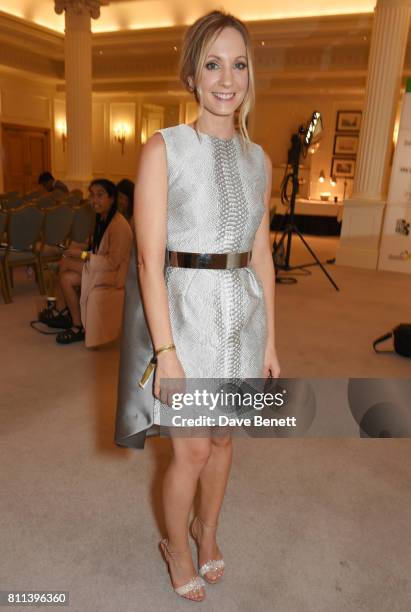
121	131
333	181
313	148
322	177
62	130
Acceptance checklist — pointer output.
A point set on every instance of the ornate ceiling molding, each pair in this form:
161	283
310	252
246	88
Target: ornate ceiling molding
80	6
325	54
31	63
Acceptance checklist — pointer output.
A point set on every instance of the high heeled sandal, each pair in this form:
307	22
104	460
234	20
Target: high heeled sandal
193	586
69	335
212	565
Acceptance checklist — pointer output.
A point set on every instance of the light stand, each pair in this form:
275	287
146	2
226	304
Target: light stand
345	188
294	153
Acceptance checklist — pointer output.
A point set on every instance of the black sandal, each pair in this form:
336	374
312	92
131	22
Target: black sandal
60	320
68	336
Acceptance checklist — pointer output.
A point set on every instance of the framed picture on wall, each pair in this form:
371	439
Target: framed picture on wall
342	167
348	121
346	144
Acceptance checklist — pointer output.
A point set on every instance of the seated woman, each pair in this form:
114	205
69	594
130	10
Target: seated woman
125	198
104	265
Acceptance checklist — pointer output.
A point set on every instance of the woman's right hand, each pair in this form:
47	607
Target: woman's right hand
168	367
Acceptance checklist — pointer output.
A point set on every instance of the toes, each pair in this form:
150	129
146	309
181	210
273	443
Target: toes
197	596
214	576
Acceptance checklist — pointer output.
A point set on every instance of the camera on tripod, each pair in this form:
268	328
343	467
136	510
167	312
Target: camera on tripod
306	137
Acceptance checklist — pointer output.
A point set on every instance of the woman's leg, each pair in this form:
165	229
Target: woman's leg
60	300
214	478
213	483
69	283
66	264
190	455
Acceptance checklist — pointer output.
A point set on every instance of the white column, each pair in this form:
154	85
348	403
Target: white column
78	77
363	212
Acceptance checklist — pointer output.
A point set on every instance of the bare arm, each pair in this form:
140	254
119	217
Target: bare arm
262	262
150	221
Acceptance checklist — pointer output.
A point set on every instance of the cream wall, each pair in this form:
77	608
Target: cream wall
108	159
278	116
26	102
132	111
39	104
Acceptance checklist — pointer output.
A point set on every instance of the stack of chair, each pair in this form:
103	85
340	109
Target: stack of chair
45	201
35	233
32	195
11	202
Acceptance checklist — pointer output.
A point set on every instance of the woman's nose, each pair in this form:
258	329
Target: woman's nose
226	77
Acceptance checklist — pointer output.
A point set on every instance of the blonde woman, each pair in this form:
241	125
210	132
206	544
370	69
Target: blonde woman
202	194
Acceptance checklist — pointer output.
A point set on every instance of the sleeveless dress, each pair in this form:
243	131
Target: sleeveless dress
218	316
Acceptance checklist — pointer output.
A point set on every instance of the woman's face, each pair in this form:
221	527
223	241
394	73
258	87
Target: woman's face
122	203
224	78
100	200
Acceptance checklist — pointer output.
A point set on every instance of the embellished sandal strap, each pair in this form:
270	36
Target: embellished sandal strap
211	565
172	553
195	584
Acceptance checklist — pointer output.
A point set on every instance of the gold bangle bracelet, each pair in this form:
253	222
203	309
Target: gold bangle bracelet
167	347
84	255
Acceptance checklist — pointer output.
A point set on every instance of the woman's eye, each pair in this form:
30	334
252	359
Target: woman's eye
240	65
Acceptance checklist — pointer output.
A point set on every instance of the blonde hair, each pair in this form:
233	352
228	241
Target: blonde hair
197	41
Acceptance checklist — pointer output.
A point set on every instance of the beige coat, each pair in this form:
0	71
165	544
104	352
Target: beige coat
102	284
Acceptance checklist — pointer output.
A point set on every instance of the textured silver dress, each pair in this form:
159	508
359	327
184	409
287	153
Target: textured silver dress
218	317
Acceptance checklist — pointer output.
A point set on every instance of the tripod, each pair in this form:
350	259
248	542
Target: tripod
290	229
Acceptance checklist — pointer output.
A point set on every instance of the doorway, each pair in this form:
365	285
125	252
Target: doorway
26	153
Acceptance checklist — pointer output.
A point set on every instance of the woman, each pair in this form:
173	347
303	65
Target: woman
108	259
125	198
201	189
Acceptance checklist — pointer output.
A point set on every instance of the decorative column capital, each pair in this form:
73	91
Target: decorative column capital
80	6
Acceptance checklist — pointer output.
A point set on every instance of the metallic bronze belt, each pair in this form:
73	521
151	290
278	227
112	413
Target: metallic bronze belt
181	259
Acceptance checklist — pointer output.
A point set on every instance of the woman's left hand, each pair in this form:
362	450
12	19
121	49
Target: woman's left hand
271	363
75	253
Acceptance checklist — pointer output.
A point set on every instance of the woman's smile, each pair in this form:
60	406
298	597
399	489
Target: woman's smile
224	97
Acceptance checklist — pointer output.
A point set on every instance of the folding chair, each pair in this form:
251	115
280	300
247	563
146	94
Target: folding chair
14	202
44	201
23	232
3	282
33	195
56	231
